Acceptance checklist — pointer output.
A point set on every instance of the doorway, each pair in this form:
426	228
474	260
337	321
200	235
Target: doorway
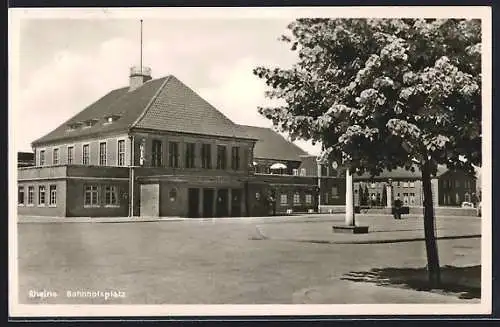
193	202
236	203
222	203
208	202
150	200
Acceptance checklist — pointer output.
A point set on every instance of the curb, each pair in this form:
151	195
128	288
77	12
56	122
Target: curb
396	240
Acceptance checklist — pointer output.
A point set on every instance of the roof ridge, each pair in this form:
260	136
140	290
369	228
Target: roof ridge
153	99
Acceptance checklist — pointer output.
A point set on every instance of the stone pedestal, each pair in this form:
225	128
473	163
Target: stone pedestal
389	196
350	229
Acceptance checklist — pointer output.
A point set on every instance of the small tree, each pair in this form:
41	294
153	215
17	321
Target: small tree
385	93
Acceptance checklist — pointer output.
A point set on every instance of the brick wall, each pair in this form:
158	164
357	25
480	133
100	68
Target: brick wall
111	150
57	210
245	148
76	193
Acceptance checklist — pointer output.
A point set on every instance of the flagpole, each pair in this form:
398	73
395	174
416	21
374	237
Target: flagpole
141	49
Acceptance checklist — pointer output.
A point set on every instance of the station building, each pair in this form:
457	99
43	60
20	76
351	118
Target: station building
156	148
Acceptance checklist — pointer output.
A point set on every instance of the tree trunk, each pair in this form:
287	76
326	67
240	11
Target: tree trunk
429	230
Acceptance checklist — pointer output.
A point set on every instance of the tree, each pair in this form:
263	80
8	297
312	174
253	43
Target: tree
384	93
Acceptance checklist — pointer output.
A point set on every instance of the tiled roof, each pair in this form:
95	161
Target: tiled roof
178	108
271	145
161	104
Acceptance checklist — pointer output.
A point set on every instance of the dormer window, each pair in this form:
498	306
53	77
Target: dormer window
90	123
111	119
74	126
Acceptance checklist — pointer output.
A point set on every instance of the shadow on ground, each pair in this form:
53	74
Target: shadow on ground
464	282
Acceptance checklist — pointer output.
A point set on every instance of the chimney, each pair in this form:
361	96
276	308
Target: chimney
139	76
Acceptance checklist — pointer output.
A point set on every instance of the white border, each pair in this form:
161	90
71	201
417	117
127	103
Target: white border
289	13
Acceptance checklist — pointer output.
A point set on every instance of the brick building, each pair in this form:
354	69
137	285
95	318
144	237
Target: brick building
156	148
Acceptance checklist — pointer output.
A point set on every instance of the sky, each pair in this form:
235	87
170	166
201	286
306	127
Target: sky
66	64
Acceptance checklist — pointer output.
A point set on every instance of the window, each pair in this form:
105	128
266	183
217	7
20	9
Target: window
31	192
42	157
457	183
102	154
372	185
20	195
221	157
398	183
335	192
206	156
325	198
235	157
110	195
52	195
41	195
172	195
190	155
302	172
412	198
91	196
85	154
412	184
295	172
467	197
296	198
405	184
284	199
121	152
55	156
173	154
308	198
71	151
405	198
156	153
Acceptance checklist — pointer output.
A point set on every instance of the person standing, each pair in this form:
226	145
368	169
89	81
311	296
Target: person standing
397	208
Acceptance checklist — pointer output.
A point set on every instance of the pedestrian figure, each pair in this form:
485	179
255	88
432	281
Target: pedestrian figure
272	201
397	208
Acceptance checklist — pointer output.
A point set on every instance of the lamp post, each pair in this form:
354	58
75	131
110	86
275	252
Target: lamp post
319	162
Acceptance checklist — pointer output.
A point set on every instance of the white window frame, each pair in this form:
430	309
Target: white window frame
72	147
83	154
111	190
54	156
40	204
412	184
412	199
94	188
284	199
295	172
52	192
302	172
296	198
32	202
124	152
105	162
308	198
405	184
40	151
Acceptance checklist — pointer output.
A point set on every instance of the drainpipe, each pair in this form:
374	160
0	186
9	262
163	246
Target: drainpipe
132	177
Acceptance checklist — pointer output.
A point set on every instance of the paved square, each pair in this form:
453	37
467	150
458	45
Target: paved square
234	261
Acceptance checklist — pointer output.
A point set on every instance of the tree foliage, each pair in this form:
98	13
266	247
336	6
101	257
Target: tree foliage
383	93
